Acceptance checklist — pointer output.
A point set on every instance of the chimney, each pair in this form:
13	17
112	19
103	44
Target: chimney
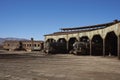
32	39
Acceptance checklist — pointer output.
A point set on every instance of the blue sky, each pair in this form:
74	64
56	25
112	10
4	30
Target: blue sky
35	18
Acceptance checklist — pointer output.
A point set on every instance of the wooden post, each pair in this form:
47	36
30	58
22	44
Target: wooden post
104	47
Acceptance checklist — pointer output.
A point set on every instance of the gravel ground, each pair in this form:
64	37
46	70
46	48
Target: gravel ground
37	66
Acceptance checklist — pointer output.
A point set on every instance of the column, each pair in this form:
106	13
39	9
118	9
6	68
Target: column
103	47
90	47
67	45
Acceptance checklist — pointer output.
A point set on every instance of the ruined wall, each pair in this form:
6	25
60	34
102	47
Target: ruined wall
27	45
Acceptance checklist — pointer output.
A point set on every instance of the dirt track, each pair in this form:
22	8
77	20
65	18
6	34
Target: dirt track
58	67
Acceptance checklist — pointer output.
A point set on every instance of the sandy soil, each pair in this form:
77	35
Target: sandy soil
37	66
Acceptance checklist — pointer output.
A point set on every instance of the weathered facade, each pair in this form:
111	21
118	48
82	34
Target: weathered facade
32	45
11	45
27	45
106	36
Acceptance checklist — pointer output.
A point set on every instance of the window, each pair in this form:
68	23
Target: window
35	45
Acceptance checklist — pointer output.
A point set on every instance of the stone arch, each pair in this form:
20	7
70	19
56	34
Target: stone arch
71	42
97	45
111	41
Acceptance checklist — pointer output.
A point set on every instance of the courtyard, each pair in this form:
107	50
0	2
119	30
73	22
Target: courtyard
38	66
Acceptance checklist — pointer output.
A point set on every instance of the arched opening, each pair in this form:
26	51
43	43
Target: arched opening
86	41
71	42
49	45
97	45
111	44
62	45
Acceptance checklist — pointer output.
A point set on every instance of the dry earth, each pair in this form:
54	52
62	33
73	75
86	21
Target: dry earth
37	66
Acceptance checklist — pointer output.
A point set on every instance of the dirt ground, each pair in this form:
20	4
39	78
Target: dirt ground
37	66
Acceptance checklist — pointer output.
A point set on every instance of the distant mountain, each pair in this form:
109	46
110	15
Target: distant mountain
10	38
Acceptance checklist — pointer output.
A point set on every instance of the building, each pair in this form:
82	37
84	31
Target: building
27	45
11	45
106	37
